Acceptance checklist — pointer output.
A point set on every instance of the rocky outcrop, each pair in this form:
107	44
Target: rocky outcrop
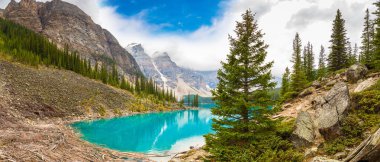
25	13
303	134
331	109
365	84
66	24
368	150
356	72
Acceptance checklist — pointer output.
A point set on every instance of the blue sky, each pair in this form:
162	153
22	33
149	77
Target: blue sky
195	32
170	15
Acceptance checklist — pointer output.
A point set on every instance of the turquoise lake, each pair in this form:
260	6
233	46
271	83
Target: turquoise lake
163	132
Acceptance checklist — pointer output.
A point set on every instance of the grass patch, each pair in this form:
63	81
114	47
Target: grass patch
102	111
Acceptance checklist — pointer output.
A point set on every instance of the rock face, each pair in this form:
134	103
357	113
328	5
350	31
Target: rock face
356	72
331	109
64	23
368	150
303	135
168	74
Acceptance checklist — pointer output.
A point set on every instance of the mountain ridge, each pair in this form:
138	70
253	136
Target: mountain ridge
66	24
166	73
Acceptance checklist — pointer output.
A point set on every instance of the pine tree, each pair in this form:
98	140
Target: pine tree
375	58
124	84
242	94
352	54
188	99
337	58
322	63
309	62
298	78
367	40
285	85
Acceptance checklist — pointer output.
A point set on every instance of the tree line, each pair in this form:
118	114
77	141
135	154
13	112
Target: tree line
341	55
31	48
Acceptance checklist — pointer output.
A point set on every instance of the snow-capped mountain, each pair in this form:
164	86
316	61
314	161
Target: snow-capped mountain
168	74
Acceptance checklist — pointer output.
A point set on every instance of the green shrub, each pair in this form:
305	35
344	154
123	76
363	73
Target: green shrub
288	96
102	111
368	101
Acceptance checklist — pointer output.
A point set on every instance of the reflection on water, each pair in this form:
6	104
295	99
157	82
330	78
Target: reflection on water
149	133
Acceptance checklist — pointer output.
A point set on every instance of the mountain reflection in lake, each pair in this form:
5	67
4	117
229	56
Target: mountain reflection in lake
149	133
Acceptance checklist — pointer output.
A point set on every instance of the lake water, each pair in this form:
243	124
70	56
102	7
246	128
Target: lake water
156	133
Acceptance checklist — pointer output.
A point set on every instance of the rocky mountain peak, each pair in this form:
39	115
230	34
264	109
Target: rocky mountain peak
135	48
168	74
161	55
65	23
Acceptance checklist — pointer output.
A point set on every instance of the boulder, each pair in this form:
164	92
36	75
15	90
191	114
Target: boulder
340	155
330	110
303	134
368	150
306	92
356	72
331	83
323	159
365	84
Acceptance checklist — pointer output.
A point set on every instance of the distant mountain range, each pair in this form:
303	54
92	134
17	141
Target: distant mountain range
168	74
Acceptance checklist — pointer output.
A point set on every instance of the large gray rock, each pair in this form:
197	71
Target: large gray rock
331	109
365	84
303	135
356	72
368	150
323	159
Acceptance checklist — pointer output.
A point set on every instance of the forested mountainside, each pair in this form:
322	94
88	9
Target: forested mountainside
166	73
66	24
43	88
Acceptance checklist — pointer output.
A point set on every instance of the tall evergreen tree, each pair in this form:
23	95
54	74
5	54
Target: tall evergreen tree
352	54
367	40
285	84
337	58
322	63
375	60
298	78
309	62
242	94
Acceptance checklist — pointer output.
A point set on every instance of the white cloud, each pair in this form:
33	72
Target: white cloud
204	48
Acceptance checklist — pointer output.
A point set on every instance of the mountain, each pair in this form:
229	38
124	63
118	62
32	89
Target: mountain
66	24
168	74
210	77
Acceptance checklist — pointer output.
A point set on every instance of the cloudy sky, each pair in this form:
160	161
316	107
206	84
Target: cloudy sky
195	33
